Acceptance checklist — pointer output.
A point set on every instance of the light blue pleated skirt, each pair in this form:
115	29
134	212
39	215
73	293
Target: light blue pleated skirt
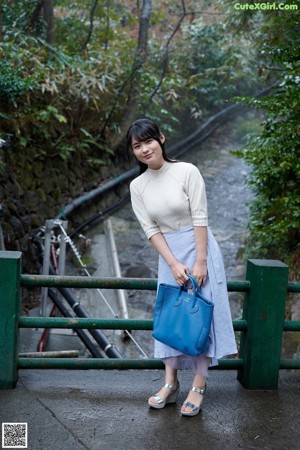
222	340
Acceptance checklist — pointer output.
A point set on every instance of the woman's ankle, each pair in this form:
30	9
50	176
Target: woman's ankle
170	375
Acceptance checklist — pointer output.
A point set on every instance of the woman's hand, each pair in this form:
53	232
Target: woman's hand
180	272
200	272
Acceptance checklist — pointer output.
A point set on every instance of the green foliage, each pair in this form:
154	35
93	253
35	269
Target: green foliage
12	83
71	98
247	127
274	154
56	94
217	67
15	18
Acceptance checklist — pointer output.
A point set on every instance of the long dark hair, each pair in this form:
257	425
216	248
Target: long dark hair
141	130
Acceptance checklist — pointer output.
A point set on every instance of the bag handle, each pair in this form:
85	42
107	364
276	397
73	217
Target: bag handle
194	282
195	287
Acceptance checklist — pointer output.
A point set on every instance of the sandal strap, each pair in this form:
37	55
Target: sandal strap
158	399
190	405
199	390
171	387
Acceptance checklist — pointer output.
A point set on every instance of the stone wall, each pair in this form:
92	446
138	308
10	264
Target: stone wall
34	189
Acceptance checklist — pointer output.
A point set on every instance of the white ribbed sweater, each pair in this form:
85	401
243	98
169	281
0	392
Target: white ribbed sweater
170	198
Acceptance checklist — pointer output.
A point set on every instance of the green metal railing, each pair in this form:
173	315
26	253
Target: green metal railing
261	326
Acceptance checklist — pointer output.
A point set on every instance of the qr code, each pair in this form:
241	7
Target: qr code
14	435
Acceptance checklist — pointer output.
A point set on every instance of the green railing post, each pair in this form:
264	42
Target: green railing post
264	307
10	304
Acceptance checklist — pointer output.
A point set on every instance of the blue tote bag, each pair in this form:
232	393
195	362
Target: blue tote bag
182	318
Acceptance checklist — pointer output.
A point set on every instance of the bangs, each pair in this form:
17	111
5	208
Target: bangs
143	135
141	130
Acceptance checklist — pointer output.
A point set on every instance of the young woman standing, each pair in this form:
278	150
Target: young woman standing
169	201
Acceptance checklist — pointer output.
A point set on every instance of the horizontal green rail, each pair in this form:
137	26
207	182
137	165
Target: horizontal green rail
105	324
291	325
89	282
293	286
122	283
110	364
289	364
89	324
109	283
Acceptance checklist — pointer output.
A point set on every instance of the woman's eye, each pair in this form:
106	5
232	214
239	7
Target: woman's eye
149	141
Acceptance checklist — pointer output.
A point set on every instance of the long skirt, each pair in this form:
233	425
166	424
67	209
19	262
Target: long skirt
222	339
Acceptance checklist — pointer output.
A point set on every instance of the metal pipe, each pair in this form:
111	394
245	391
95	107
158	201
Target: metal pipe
289	364
110	364
110	282
85	323
108	324
96	192
101	214
62	250
99	337
117	270
291	325
82	334
45	335
46	266
51	354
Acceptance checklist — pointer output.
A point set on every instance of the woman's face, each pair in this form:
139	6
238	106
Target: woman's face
149	152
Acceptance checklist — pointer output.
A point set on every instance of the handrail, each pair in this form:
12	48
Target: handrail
109	282
88	282
105	324
262	325
123	283
111	364
293	286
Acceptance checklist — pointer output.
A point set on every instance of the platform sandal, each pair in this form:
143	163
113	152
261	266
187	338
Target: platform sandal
171	397
194	409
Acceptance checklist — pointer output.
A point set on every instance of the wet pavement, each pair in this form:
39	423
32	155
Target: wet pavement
96	409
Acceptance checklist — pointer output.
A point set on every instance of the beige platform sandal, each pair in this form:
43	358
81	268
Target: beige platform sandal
194	409
162	402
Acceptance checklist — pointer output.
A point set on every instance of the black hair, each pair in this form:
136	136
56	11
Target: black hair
141	130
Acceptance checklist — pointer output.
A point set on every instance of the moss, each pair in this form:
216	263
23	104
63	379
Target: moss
41	195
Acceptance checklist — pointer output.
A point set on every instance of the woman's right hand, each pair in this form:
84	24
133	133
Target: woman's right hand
180	272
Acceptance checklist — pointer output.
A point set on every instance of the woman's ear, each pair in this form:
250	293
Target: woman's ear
162	138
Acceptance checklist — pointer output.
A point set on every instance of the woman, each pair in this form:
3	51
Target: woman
169	200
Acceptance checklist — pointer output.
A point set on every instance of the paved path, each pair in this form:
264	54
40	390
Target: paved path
95	410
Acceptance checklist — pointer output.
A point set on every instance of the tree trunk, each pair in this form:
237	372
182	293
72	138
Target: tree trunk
143	32
140	57
48	13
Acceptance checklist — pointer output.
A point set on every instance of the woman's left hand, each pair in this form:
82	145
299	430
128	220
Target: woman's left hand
200	272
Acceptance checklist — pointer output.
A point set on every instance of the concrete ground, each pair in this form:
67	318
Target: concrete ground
97	409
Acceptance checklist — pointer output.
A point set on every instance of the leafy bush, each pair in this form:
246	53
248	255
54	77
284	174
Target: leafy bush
274	156
12	83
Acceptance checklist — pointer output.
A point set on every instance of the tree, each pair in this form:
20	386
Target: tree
133	79
274	154
48	15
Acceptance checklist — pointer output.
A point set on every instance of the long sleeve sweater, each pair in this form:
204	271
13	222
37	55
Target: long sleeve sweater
170	198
